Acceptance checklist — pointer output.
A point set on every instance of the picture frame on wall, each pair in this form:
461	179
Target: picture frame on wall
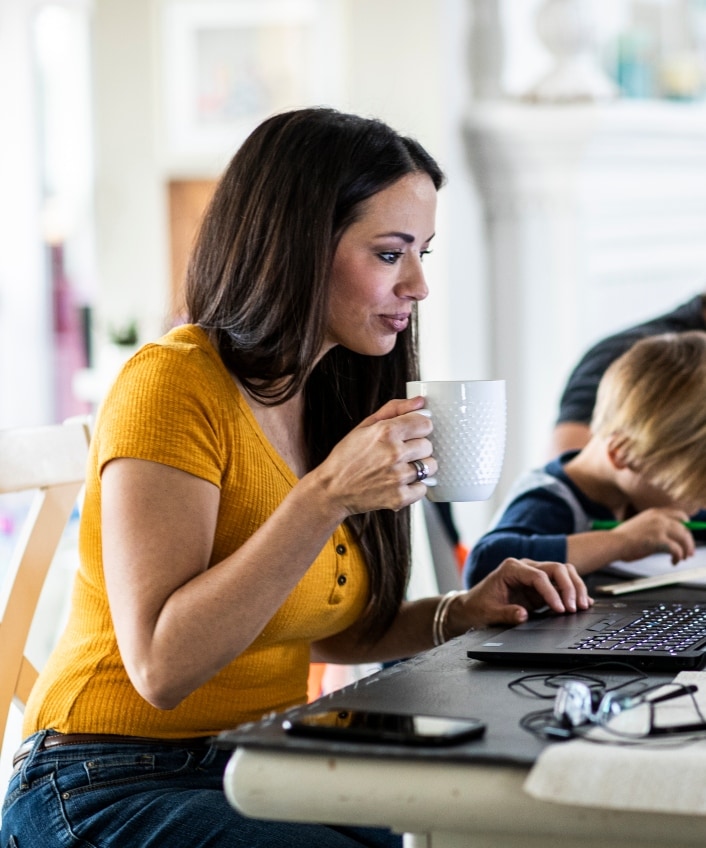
228	64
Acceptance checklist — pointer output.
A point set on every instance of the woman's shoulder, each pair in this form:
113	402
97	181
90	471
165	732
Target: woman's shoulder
183	356
179	372
173	402
182	342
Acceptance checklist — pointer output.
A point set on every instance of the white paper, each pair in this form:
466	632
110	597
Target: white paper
660	564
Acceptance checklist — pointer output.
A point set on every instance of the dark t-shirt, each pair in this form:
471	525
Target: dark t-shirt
579	396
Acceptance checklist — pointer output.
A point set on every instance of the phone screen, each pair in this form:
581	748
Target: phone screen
394	728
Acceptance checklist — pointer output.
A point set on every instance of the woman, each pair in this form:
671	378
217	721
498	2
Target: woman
245	507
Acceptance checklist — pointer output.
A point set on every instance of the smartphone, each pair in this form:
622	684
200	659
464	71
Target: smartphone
394	728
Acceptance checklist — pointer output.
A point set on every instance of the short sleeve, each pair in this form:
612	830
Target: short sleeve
164	407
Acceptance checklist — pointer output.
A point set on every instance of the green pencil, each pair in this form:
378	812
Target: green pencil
609	525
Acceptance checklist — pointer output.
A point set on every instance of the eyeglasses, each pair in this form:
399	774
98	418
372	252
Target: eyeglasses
577	703
629	717
629	712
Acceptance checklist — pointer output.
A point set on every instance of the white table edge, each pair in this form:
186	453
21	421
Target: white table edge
434	797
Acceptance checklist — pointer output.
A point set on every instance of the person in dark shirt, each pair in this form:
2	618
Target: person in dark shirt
572	429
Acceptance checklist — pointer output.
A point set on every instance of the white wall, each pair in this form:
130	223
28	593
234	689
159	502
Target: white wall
131	212
25	338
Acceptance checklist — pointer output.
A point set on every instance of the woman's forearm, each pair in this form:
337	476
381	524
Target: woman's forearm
409	633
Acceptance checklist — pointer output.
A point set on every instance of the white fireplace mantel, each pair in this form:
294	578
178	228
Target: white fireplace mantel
595	219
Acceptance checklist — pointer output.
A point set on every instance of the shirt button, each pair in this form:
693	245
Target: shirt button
340	549
342	579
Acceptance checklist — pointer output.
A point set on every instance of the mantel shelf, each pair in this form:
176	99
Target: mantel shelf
630	117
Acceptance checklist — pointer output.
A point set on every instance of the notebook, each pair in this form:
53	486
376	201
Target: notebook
690	572
646	634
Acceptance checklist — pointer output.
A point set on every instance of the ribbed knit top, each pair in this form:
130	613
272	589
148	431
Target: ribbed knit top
175	403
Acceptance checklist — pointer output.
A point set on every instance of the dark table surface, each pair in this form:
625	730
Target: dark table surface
444	682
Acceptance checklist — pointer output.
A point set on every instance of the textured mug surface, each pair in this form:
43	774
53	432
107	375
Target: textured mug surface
470	420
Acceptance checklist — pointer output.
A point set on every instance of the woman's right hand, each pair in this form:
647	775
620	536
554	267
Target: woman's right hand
515	588
370	468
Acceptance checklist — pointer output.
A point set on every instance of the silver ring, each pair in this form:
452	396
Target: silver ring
422	469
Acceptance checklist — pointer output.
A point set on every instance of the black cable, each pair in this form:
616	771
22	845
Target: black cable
554	680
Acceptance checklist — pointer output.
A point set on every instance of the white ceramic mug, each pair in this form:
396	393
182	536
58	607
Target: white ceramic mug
470	418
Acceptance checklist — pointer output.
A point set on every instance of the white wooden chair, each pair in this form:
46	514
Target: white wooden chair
51	460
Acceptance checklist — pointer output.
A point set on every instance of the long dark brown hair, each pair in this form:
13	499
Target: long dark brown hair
258	281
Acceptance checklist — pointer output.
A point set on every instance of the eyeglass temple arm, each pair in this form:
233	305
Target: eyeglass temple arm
676	728
677	693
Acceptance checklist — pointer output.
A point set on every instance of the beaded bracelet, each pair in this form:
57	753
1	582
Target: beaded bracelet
441	613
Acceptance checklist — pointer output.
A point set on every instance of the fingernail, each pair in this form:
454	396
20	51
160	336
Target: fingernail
424	411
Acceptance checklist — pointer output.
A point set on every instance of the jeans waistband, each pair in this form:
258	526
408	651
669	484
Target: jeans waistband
56	740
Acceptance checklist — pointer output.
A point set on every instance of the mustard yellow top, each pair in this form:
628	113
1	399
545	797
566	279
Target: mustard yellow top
175	403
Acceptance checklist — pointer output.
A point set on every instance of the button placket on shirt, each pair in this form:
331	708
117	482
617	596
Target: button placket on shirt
341	549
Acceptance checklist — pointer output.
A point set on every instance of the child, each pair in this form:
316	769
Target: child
573	425
644	466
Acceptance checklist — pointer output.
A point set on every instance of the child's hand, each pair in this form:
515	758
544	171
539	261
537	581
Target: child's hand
656	530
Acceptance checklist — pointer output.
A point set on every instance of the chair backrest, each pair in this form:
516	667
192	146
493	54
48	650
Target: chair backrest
52	460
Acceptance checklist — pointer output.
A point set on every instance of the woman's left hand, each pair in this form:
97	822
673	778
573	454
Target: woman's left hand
517	586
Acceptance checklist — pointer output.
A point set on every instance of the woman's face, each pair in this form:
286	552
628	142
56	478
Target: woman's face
377	273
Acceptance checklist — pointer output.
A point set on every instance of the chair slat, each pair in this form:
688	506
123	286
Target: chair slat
51	460
27	678
42	456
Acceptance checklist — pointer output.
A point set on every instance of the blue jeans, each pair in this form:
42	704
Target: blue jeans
137	795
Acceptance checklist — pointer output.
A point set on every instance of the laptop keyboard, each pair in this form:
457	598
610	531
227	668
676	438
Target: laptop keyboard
664	627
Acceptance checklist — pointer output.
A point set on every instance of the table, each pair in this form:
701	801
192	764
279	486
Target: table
470	795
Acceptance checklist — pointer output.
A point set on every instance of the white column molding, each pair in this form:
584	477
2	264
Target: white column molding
595	218
486	49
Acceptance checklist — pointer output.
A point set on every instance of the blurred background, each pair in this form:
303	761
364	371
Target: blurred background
573	135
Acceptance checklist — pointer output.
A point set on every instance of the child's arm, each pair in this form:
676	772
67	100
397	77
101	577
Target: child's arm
658	530
491	550
534	526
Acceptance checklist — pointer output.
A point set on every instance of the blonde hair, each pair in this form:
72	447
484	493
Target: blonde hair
651	405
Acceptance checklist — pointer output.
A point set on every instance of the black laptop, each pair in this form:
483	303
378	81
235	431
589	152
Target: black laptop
661	636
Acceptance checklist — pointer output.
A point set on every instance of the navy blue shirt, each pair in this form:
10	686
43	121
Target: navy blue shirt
542	509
